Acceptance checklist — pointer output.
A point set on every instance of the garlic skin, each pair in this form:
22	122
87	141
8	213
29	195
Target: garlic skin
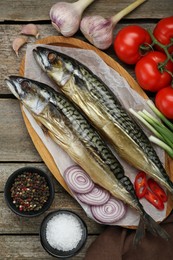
30	29
18	43
65	20
98	31
66	17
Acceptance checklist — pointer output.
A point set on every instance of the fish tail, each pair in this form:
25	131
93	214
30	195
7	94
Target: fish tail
140	232
147	222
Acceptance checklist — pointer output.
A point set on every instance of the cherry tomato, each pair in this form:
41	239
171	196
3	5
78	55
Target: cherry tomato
140	184
128	41
163	32
164	101
148	74
154	200
155	188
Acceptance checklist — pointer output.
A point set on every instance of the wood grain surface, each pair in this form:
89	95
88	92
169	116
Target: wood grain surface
11	10
29	247
19	237
10	63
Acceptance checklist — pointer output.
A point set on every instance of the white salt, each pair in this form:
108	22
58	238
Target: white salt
63	232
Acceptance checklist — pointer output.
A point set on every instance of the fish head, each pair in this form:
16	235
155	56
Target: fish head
55	64
31	93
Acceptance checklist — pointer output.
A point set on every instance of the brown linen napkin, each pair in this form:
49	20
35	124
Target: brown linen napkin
116	243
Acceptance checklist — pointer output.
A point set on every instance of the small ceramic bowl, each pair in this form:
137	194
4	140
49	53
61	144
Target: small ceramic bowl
47	244
10	201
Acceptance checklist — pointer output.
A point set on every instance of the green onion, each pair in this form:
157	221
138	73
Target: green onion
160	143
163	135
151	116
166	134
152	129
159	114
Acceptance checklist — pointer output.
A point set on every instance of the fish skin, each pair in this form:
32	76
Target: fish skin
104	110
71	130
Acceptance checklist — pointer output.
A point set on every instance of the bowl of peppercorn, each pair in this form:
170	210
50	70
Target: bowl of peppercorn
29	192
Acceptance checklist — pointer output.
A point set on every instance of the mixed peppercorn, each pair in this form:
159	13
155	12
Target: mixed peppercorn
29	191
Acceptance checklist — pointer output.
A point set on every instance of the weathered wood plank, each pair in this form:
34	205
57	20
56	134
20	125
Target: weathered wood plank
23	10
10	63
10	223
29	247
16	145
6	169
19	237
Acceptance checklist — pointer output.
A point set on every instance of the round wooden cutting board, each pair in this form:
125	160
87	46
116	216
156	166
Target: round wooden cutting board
43	151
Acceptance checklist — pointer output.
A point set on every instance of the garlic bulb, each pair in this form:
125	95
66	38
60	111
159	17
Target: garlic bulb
99	30
18	43
30	29
66	17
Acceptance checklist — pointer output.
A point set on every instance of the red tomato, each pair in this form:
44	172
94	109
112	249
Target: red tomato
164	101
140	184
149	76
163	32
128	41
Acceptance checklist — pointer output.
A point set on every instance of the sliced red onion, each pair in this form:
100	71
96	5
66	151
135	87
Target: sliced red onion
78	180
97	196
112	211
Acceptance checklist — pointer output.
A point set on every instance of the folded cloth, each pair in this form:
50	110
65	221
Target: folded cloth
116	243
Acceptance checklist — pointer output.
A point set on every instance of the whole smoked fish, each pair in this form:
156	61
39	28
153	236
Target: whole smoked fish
72	132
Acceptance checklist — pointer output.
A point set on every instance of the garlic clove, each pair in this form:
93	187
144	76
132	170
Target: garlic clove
18	43
97	30
56	26
30	29
65	18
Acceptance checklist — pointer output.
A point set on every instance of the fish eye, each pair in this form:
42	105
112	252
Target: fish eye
25	85
51	57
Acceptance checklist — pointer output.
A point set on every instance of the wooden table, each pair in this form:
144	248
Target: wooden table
19	237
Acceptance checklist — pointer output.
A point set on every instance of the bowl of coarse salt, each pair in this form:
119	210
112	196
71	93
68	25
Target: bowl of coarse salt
63	233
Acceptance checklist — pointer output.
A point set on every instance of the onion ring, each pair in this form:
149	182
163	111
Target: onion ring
78	180
97	196
112	211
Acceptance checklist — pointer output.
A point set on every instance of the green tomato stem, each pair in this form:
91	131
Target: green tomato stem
164	47
169	72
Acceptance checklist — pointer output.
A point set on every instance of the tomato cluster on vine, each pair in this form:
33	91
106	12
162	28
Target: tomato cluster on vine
152	54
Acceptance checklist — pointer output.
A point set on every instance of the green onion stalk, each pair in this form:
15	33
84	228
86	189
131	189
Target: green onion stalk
159	114
162	129
162	144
